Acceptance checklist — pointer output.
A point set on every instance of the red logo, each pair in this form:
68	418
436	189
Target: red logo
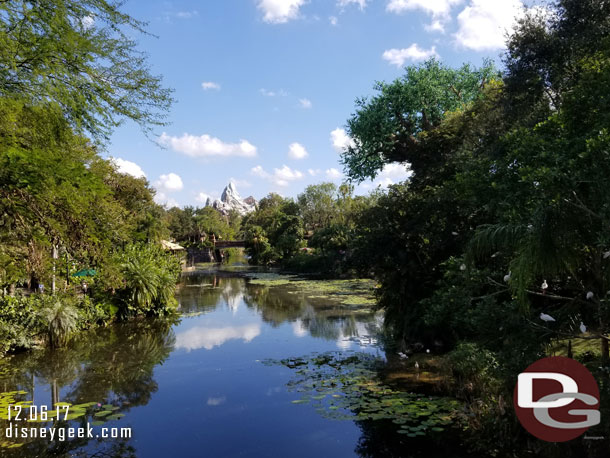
557	399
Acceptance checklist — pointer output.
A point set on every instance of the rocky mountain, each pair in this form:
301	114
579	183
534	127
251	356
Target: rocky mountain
231	200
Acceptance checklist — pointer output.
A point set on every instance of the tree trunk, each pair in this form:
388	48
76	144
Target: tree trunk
605	352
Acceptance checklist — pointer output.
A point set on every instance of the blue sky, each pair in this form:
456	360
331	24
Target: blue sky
264	87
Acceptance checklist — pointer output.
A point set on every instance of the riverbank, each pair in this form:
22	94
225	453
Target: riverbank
39	320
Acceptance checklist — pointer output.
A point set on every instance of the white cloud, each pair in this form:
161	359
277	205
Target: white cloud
333	174
297	151
187	14
483	25
267	93
433	7
210	85
217	401
202	197
206	145
286	174
390	174
128	167
344	3
169	16
280	11
305	103
340	140
439	10
87	22
314	172
413	53
162	199
333	20
240	183
169	183
259	171
435	26
280	177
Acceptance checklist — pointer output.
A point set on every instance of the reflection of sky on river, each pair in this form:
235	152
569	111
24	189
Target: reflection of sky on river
198	388
231	403
208	338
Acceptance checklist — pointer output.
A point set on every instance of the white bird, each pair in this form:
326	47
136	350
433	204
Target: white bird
590	295
607	255
454	233
507	277
416	365
428	350
463	267
403	355
545	317
544	285
583	328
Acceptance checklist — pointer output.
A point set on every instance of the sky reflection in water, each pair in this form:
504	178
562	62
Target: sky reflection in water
197	388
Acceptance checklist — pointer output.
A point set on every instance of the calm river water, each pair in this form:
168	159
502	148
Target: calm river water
198	388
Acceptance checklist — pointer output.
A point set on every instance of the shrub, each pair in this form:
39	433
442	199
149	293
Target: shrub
149	280
473	368
62	319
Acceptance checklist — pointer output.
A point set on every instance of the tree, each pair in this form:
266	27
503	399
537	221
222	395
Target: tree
211	223
389	126
317	205
257	245
58	192
181	223
81	56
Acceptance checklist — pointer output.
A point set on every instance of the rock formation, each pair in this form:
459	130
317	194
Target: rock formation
231	200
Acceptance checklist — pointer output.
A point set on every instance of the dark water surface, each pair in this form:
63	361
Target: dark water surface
197	388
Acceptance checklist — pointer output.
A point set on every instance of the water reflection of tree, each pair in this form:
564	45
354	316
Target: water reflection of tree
275	305
111	365
380	440
278	305
123	370
203	293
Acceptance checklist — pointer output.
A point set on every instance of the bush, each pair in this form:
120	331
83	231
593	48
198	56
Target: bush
473	369
62	320
149	278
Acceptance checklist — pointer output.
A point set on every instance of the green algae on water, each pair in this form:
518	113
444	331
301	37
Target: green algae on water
353	292
345	386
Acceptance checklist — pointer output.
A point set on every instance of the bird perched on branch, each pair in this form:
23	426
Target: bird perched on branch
545	317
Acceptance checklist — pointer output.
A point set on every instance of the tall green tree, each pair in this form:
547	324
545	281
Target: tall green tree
82	56
317	205
388	127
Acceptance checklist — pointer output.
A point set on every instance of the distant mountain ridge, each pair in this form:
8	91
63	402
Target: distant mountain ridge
231	200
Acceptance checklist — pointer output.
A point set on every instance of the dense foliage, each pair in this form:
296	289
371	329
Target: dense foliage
69	69
498	244
314	233
82	57
202	226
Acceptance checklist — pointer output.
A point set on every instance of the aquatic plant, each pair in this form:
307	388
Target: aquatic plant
98	413
345	386
355	292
